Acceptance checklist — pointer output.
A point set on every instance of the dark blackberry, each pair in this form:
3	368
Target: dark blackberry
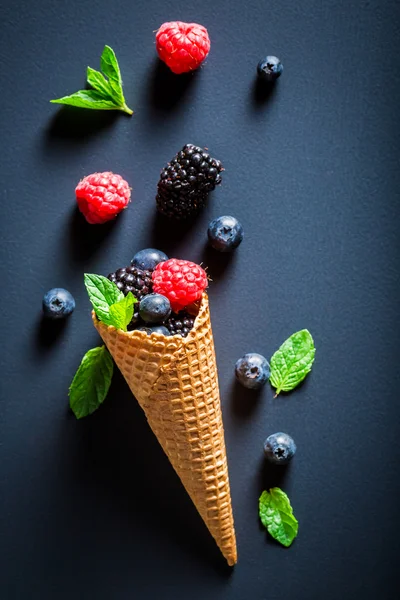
180	323
136	320
179	204
186	181
132	279
137	281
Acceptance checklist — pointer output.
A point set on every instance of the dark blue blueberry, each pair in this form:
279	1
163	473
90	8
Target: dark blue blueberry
252	370
279	448
58	303
148	259
154	308
225	233
270	68
154	329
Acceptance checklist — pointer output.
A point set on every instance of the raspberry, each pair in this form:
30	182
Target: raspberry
181	281
101	196
182	46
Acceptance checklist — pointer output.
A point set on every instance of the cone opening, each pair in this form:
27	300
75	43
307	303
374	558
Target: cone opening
199	310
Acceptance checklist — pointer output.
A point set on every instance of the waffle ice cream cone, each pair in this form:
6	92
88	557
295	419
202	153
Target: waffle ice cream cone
175	381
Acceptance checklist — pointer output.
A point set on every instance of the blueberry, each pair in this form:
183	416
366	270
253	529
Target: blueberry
225	233
58	303
154	308
270	68
252	370
154	329
148	259
279	448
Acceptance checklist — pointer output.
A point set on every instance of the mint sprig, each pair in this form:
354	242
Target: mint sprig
107	92
277	516
91	383
109	303
102	294
292	362
121	312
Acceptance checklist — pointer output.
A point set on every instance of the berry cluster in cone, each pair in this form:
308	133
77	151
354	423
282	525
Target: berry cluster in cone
167	291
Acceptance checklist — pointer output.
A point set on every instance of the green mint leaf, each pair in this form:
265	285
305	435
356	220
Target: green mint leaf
91	383
110	67
102	294
292	362
107	94
121	312
87	99
277	516
99	82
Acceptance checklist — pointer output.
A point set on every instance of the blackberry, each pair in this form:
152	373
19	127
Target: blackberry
175	205
180	323
136	321
137	281
132	279
186	181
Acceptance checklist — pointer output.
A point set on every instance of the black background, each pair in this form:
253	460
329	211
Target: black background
92	509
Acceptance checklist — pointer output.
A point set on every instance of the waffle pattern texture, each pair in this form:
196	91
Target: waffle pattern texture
175	381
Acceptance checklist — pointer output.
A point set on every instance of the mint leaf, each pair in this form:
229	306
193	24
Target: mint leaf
121	312
98	82
91	383
87	99
292	362
102	294
107	94
277	516
110	67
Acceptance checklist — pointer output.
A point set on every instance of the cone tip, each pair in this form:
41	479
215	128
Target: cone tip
231	555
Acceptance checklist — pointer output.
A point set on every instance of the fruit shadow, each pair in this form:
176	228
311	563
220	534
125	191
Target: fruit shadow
288	395
84	239
262	92
244	402
77	124
166	233
167	90
216	263
133	477
48	331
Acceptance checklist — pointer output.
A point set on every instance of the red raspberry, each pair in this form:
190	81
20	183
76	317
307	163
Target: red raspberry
101	196
182	46
181	281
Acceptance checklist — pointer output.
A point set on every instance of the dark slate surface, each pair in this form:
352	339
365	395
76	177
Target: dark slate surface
93	509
